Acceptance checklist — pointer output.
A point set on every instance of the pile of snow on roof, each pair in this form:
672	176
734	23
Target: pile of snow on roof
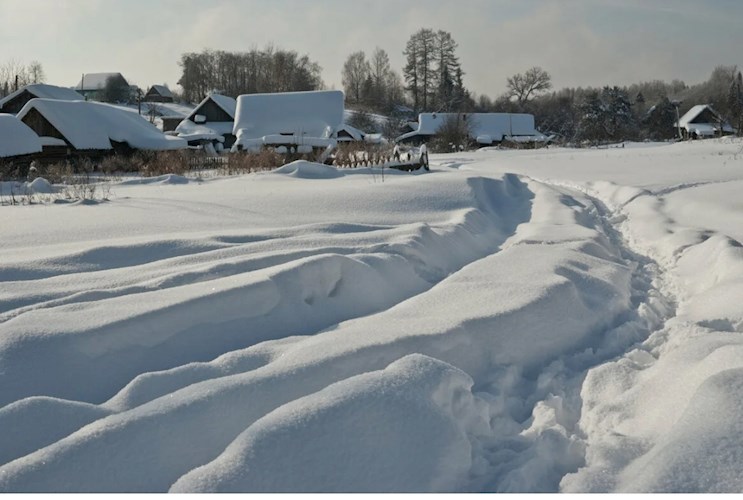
93	125
16	139
292	118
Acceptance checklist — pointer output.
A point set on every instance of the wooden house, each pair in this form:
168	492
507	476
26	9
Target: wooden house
213	119
92	84
158	93
93	130
14	102
701	122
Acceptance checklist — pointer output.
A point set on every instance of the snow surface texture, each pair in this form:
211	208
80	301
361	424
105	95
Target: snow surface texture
93	125
521	321
16	139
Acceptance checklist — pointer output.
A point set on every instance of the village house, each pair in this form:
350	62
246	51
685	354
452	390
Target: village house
485	129
91	85
92	129
212	121
702	122
158	93
14	102
293	121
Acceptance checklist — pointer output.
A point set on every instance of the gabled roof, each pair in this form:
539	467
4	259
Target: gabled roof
16	139
44	91
227	104
697	110
162	90
96	81
93	125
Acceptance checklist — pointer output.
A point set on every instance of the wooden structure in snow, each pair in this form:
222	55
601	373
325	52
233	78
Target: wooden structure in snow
93	130
212	121
158	93
14	102
702	121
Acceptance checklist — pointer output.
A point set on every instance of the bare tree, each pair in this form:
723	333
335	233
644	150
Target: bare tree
529	84
356	71
35	72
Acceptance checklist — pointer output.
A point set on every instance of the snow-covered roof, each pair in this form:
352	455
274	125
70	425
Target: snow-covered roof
93	125
306	119
485	127
16	138
95	81
316	114
162	90
354	133
44	91
693	113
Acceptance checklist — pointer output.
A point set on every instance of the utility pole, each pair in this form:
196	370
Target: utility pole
676	105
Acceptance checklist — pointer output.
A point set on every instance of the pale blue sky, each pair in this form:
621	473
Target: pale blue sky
580	42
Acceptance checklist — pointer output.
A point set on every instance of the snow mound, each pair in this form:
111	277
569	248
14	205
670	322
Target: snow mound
302	169
40	186
406	428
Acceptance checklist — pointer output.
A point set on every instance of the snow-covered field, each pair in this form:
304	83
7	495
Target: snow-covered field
538	321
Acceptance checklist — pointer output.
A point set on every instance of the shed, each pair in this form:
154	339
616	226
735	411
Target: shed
158	93
95	129
702	121
14	102
305	120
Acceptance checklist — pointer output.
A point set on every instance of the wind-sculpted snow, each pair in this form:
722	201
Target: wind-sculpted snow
303	331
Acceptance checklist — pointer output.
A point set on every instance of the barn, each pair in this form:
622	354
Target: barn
14	102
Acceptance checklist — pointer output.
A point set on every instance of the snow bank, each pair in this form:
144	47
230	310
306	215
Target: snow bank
16	139
93	125
307	170
406	428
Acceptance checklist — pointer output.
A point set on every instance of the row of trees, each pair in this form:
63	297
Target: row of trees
15	74
372	82
256	71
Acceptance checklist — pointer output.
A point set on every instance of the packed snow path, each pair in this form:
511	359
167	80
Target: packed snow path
464	330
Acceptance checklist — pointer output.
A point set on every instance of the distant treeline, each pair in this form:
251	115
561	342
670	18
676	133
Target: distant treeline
256	71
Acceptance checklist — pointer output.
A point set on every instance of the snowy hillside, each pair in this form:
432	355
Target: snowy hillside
513	321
